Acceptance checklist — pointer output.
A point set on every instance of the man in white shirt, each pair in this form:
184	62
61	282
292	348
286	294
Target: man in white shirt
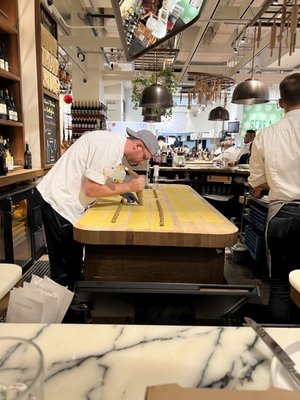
229	155
85	172
275	165
245	151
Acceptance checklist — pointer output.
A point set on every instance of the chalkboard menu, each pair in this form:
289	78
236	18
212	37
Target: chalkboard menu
51	116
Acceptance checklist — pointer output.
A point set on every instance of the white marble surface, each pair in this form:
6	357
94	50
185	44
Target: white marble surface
114	362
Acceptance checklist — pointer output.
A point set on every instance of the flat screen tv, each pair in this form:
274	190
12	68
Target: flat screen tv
233	127
145	24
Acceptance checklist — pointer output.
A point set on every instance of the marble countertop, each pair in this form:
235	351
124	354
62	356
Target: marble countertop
114	362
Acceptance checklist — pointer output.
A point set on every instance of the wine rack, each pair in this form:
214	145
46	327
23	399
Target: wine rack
87	116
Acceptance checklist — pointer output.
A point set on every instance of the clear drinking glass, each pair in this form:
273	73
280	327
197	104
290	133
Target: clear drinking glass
21	370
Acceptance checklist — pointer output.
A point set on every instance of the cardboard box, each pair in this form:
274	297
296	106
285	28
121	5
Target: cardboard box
219	178
176	392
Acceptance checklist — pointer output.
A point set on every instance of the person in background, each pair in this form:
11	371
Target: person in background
245	151
178	142
85	172
161	142
275	166
229	153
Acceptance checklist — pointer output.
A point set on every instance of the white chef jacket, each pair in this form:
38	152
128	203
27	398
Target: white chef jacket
244	150
275	158
229	155
92	156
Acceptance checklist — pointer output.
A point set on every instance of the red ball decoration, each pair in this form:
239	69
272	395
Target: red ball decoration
68	98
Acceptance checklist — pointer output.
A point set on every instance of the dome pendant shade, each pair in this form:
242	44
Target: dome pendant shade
156	96
218	114
251	91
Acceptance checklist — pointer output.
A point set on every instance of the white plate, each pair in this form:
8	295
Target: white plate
279	376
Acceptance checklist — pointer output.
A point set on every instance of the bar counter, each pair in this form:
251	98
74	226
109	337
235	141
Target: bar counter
118	362
181	240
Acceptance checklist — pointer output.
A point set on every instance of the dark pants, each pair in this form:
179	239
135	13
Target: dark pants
65	254
284	245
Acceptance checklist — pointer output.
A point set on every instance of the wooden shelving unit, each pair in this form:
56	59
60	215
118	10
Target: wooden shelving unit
12	80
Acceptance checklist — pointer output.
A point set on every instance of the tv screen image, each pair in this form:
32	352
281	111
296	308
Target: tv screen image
233	127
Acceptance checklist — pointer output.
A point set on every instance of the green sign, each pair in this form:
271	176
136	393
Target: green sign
260	116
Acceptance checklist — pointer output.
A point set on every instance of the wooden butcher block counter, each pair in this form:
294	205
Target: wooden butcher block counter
176	236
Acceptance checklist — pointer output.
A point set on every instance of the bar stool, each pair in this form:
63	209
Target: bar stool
294	278
10	274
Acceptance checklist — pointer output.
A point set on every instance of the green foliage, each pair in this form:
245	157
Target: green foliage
166	77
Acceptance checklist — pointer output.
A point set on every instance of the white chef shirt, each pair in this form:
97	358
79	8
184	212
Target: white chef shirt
229	155
244	150
92	156
275	158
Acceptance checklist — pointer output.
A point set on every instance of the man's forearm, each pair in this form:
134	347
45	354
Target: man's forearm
259	190
93	189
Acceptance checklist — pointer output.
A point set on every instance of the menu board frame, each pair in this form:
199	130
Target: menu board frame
51	125
49	133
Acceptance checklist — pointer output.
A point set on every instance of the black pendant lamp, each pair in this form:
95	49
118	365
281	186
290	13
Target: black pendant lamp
251	91
218	114
156	96
151	115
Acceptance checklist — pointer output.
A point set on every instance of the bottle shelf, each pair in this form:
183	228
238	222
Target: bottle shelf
8	76
20	175
7	27
6	122
90	115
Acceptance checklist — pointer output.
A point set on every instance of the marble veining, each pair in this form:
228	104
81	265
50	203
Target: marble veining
118	362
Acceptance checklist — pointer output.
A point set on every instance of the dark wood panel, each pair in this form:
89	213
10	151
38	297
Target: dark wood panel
154	264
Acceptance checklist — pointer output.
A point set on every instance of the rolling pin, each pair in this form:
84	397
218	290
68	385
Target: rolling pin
135	175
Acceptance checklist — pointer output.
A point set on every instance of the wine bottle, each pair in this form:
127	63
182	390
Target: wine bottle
10	112
14	108
9	156
2	62
27	157
3	108
3	168
4	56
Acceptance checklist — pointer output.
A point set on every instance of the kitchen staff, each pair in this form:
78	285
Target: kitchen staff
245	151
75	182
275	165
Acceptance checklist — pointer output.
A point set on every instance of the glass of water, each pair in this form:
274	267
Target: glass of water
21	370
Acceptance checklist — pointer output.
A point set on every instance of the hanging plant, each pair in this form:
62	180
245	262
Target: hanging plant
166	77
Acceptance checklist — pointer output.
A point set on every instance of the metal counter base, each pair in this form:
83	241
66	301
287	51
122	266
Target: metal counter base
152	303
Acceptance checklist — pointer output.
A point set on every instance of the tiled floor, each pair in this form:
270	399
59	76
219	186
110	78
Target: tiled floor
249	273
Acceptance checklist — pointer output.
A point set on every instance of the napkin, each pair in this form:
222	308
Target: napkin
39	301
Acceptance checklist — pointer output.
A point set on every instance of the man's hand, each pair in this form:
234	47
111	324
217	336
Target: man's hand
259	191
130	197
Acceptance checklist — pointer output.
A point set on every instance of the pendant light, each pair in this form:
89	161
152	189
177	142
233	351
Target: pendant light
251	91
156	95
218	114
151	115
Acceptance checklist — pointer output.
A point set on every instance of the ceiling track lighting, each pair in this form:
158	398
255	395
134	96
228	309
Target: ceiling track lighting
251	91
